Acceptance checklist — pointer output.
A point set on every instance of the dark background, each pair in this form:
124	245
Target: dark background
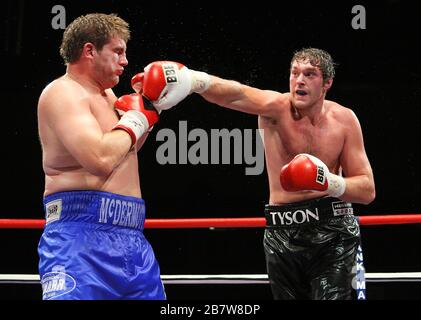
378	76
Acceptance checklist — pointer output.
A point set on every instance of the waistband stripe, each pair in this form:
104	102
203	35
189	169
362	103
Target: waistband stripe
95	207
293	217
122	213
311	211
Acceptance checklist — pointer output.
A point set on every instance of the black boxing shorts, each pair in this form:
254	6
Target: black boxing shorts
310	249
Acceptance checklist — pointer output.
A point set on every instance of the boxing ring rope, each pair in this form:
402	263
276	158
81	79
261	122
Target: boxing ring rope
218	222
228	278
211	223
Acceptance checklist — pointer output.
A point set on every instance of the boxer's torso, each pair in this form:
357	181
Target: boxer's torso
287	136
62	171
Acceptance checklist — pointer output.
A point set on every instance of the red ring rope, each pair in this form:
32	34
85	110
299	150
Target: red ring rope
216	222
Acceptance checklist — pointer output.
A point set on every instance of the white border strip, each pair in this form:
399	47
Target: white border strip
229	278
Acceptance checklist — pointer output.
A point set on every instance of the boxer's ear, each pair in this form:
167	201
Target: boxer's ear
88	50
327	84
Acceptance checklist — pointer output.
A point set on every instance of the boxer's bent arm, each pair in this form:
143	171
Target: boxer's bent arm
234	95
359	179
141	141
78	130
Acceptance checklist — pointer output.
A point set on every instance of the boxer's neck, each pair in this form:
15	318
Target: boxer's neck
79	73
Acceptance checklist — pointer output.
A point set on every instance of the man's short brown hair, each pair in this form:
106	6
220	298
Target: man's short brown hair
317	58
96	28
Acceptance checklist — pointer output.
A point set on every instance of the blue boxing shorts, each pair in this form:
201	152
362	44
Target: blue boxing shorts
93	248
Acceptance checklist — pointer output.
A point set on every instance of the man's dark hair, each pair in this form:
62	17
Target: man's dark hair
317	58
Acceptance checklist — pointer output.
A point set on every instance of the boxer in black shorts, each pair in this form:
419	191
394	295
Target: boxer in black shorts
310	249
315	155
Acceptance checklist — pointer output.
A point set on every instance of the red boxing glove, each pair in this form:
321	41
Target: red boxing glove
137	82
306	172
166	83
137	115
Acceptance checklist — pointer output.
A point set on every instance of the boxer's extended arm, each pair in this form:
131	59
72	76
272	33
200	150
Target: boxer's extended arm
166	83
360	187
75	126
234	95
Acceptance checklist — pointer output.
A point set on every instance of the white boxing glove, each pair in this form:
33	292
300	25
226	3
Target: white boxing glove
166	83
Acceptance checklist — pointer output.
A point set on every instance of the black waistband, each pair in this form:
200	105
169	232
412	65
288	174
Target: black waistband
310	211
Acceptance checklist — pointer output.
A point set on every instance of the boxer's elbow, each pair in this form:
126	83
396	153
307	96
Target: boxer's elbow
372	195
100	166
369	194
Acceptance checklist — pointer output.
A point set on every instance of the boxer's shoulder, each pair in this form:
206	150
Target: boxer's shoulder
340	114
337	110
61	91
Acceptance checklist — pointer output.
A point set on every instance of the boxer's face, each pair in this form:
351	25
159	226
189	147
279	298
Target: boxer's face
110	61
306	84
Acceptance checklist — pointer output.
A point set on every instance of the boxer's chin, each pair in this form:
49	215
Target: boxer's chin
116	80
112	82
300	104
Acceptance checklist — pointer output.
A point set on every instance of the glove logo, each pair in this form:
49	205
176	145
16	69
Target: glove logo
320	175
170	71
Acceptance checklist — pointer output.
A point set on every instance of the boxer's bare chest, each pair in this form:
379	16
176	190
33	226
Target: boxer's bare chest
284	140
103	110
324	139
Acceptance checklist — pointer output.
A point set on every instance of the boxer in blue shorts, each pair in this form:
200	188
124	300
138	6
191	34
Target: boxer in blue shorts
93	246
